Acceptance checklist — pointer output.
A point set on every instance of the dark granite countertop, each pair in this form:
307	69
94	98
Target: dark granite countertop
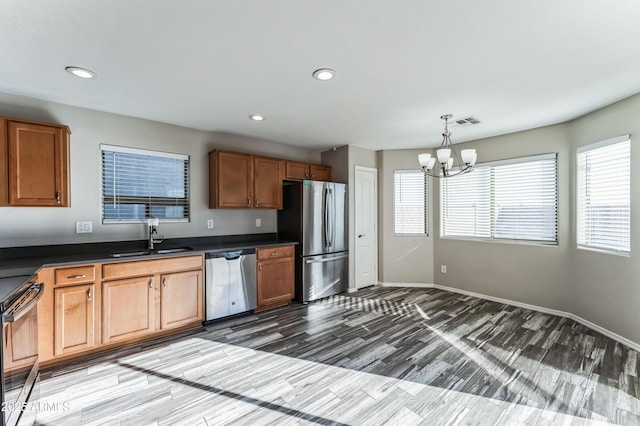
26	261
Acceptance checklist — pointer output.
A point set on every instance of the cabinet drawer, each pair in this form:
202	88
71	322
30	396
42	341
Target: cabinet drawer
275	252
111	271
75	275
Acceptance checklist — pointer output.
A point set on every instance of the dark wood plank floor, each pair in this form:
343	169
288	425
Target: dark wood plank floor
379	356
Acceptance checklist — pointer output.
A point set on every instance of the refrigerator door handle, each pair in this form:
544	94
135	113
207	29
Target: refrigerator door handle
330	259
332	218
325	224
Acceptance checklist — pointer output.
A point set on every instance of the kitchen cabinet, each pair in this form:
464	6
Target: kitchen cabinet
74	317
275	277
181	297
238	180
35	159
267	183
147	296
296	170
127	309
87	308
230	180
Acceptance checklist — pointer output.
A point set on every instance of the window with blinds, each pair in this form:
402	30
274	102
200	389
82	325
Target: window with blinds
140	184
604	196
410	203
513	199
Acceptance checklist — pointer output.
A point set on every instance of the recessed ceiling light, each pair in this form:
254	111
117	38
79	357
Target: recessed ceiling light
81	72
256	117
324	74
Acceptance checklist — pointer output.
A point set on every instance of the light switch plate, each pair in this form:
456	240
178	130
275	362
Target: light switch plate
210	223
258	223
84	227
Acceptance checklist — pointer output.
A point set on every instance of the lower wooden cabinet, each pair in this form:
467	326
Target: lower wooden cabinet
181	299
275	277
86	308
127	309
74	316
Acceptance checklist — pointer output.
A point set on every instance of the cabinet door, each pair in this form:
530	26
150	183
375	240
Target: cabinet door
74	318
127	308
275	282
267	183
21	340
38	162
319	172
230	180
181	299
295	170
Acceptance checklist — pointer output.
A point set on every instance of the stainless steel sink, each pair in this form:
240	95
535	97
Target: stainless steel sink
148	252
173	250
130	253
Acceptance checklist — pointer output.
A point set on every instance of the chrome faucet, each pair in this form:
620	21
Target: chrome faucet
153	230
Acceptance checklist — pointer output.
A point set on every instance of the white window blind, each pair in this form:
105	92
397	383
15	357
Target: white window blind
410	202
604	195
513	199
139	184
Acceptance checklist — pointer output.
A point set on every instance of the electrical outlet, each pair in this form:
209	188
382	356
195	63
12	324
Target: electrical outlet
84	227
258	223
210	223
443	269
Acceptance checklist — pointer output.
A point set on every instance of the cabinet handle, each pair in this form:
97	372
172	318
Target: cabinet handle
58	197
312	176
275	253
150	282
306	175
89	293
164	281
257	202
75	277
248	202
260	267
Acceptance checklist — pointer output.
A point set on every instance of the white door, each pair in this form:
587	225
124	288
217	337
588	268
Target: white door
366	218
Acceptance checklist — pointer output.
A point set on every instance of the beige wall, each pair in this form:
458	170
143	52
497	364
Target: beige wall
402	259
34	226
605	289
344	161
526	273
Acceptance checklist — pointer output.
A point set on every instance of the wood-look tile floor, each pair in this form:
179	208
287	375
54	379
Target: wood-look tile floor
393	356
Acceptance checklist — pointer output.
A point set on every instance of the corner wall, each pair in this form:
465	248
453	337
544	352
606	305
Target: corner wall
605	288
402	259
527	273
344	161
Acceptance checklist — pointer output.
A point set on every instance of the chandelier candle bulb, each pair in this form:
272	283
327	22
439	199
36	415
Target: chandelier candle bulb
449	163
432	162
469	156
443	155
424	159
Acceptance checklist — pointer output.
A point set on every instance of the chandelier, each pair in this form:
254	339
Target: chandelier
447	161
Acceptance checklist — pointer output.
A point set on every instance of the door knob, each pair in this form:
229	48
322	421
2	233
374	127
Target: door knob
362	235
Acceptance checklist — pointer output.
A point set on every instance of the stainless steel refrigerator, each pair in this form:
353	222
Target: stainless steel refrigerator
315	213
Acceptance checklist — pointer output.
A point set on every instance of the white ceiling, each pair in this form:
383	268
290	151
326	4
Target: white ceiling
401	64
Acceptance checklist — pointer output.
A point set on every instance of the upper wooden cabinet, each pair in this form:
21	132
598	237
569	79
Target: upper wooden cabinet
267	183
238	180
34	158
295	170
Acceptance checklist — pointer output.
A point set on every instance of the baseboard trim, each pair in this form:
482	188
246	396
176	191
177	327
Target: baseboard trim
629	343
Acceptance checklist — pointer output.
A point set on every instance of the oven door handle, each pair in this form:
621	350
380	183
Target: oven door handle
13	316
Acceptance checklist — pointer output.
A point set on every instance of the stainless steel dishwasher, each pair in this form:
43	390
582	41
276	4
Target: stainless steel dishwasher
230	283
